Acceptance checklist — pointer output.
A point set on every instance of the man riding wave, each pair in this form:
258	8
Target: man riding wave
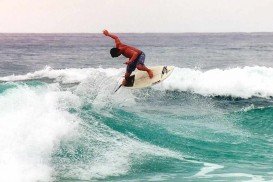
136	56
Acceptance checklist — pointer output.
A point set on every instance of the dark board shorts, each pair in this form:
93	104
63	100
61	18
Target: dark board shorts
139	60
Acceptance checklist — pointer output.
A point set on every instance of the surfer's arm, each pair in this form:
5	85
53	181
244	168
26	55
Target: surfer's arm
133	58
117	41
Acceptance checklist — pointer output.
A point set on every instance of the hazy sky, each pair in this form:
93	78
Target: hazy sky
136	15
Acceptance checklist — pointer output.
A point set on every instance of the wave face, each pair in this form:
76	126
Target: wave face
67	124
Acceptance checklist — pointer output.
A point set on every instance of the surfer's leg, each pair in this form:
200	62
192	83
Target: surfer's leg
126	77
142	67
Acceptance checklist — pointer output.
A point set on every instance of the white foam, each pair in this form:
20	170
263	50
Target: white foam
248	108
243	82
32	123
209	168
69	75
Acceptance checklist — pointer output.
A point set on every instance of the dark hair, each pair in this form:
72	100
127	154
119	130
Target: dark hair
114	52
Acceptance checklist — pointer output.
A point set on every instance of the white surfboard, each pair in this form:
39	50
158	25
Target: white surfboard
141	79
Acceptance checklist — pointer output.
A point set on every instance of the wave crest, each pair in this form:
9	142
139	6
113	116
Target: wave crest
243	82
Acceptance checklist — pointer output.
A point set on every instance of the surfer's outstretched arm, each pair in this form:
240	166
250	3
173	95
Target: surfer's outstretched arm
117	41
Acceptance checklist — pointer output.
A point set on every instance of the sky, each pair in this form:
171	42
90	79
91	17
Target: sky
138	16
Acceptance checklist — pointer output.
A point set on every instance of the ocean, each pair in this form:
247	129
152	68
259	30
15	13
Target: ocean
211	120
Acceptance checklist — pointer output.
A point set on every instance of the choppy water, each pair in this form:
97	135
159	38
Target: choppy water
211	120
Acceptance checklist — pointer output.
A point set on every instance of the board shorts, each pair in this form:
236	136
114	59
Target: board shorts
139	60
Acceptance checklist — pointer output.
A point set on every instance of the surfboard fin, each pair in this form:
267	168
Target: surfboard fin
118	88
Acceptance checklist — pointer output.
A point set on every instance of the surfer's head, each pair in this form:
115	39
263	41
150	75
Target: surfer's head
115	52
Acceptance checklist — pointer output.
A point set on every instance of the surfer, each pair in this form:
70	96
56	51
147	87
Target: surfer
136	56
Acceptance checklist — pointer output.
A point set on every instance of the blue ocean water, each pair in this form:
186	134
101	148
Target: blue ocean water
211	120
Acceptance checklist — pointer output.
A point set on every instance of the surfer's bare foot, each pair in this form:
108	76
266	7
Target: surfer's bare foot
150	73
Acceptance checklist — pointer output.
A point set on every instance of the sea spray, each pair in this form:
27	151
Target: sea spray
33	120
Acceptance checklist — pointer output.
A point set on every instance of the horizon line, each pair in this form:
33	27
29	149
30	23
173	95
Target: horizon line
135	32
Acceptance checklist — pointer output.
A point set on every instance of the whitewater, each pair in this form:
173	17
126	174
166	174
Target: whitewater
211	120
245	82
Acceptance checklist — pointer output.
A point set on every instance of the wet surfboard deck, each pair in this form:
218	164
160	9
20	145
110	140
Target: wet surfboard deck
141	79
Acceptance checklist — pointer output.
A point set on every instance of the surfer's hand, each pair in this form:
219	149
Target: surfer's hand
105	32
